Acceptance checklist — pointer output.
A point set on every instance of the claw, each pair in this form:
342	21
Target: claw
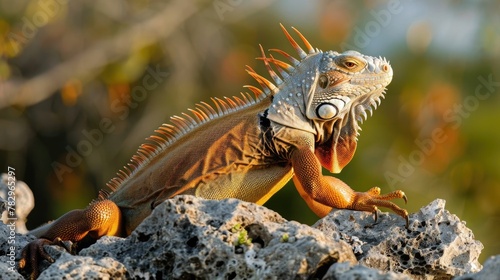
368	201
67	245
405	198
375	213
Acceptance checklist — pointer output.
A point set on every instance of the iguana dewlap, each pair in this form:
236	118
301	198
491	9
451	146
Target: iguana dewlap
246	147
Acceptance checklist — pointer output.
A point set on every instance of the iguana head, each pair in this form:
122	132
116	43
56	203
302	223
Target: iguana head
327	94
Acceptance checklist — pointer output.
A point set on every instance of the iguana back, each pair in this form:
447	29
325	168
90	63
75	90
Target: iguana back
224	157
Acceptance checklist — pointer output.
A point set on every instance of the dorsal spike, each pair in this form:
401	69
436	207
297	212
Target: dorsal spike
246	98
231	103
206	110
309	47
289	57
219	109
259	79
180	123
197	114
257	91
103	194
249	69
124	173
205	116
210	108
239	102
264	83
142	154
166	131
223	104
148	148
188	117
281	66
156	139
302	54
273	74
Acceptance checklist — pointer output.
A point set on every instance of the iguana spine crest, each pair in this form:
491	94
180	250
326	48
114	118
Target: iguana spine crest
169	133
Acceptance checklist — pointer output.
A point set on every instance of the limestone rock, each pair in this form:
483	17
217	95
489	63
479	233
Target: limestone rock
13	223
436	244
347	271
11	244
23	202
490	271
9	272
69	266
189	237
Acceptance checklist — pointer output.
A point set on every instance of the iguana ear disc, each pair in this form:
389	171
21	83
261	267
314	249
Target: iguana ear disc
326	111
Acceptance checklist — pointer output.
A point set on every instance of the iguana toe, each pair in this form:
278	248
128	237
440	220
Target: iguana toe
32	255
370	200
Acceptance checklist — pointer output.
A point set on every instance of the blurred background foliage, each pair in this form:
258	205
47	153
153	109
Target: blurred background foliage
82	83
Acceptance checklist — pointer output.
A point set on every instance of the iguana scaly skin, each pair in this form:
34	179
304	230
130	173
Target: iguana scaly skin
246	147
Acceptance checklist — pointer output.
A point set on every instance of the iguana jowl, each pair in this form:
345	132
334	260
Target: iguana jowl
247	147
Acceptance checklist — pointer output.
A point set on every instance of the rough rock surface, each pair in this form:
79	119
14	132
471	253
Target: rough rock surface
187	237
23	201
436	244
10	248
347	271
69	266
490	271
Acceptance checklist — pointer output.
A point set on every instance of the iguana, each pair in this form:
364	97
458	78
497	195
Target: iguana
246	147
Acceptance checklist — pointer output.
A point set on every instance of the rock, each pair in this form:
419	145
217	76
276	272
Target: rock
11	244
188	237
13	223
347	271
69	266
436	244
9	272
490	271
22	201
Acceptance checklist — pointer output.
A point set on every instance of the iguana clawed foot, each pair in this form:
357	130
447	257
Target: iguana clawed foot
34	253
368	201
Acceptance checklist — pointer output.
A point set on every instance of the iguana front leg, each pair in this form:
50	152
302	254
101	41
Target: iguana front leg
100	218
322	193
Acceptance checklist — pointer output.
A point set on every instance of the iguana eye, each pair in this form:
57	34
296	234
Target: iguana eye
350	64
323	81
